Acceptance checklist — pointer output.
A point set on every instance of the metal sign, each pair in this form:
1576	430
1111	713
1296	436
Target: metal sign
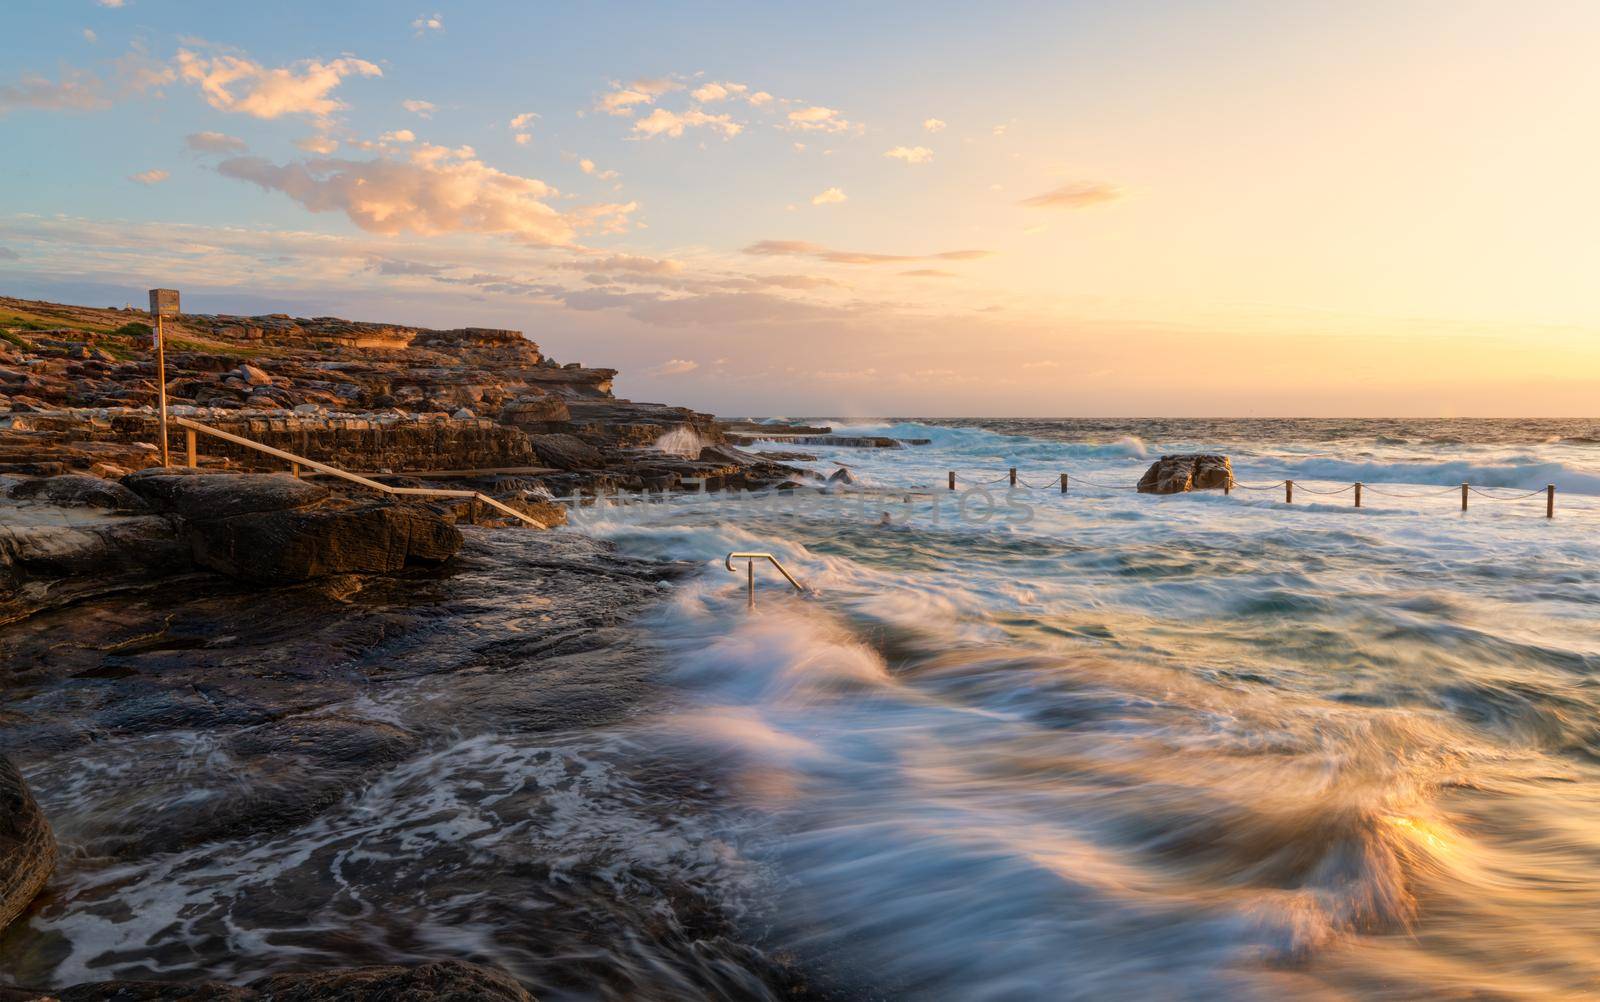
163	302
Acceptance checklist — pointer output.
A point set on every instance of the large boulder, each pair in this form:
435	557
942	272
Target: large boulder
1187	472
302	543
446	981
566	452
221	495
27	849
74	490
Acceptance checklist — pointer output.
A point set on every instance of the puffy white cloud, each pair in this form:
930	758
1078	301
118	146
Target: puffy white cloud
816	118
524	120
235	84
622	98
933	124
149	177
424	109
829	196
113	4
214	142
433	191
318	144
911	154
1075	195
89	36
398	136
760	98
424	23
675	367
523	138
668	123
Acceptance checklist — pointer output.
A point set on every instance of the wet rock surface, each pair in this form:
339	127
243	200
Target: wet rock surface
1176	474
360	771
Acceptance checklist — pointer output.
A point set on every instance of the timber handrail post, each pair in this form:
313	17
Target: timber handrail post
1550	501
1063	483
1358	493
191	453
1288	492
1013	476
1227	485
952	479
1464	489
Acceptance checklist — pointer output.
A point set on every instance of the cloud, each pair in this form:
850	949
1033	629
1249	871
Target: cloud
398	136
928	273
396	266
424	109
113	4
149	177
132	74
711	92
587	166
523	121
999	130
425	23
318	144
1075	195
816	118
675	367
663	122
235	84
759	98
89	36
802	248
829	196
911	154
433	191
631	264
622	99
933	124
214	142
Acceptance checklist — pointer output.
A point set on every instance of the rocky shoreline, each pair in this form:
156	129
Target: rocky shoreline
224	662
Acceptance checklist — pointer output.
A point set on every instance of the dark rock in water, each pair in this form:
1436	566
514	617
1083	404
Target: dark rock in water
446	981
27	848
299	544
842	476
566	452
221	495
104	545
1187	472
73	489
450	980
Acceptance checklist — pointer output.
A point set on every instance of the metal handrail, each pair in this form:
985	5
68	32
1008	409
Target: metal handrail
355	478
750	572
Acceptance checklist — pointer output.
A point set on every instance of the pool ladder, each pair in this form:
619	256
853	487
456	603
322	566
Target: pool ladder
750	572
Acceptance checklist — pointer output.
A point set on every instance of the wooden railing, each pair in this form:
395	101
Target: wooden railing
191	428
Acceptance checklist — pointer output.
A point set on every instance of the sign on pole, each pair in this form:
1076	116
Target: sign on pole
163	304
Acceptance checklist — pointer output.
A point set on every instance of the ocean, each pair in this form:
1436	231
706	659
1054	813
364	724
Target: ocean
1198	746
1006	746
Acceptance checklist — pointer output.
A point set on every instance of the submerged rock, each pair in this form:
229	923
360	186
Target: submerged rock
27	848
1182	472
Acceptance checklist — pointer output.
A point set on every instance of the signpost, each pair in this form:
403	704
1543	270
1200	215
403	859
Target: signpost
163	304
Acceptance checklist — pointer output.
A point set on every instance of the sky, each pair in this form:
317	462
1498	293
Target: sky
1212	208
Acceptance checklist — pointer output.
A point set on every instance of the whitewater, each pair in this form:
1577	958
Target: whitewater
1199	746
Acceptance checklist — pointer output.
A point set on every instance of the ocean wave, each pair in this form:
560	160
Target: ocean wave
1524	474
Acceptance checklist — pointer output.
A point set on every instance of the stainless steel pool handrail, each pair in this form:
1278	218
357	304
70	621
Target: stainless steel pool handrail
750	572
